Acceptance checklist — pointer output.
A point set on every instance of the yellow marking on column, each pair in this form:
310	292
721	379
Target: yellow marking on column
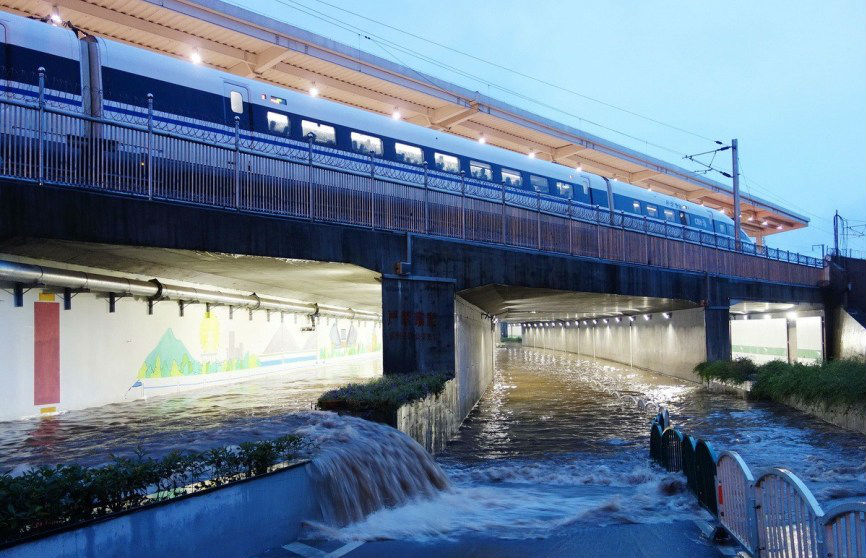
46	297
47	410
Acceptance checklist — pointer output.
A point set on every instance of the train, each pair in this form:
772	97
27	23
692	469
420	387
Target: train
104	78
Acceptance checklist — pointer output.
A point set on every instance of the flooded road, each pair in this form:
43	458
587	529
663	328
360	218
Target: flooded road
197	420
557	443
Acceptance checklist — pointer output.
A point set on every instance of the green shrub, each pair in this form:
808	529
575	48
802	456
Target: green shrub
379	399
49	497
729	372
834	382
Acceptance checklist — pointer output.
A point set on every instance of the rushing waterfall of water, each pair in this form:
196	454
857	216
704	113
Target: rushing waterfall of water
361	467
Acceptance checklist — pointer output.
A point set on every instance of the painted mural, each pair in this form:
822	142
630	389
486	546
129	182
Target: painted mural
220	357
58	360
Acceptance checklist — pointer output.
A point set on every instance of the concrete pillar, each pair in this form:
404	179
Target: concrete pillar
717	325
417	325
792	340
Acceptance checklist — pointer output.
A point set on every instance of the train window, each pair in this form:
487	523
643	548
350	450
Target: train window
236	101
278	123
322	133
564	189
635	205
371	145
512	178
539	183
409	153
699	222
652	211
448	163
481	171
669	215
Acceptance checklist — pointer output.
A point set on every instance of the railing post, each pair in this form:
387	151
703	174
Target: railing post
150	146
646	239
538	217
310	138
41	125
237	178
372	188
597	232
502	222
463	203
568	224
426	200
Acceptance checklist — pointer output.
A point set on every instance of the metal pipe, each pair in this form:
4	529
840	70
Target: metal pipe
30	274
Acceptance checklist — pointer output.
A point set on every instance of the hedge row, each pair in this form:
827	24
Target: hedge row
379	399
835	382
50	497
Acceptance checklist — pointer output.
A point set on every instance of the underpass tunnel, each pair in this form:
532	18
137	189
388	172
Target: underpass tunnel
766	331
161	322
659	334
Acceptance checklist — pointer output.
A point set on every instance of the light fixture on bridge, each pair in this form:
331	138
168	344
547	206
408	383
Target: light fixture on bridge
314	91
666	315
531	155
791	315
764	223
779	227
618	319
579	168
195	57
631	318
647	317
594	322
55	17
482	140
396	114
604	320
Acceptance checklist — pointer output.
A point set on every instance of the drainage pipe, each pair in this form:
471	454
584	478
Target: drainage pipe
37	275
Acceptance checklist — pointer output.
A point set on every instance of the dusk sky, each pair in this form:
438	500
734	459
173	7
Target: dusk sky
788	79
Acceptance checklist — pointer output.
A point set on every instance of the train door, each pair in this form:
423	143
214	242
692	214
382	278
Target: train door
237	103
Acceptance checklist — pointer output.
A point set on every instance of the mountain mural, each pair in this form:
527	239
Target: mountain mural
170	357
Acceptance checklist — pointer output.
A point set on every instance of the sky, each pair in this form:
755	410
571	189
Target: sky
786	78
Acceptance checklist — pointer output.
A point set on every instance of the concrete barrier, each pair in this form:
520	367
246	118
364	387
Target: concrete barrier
240	519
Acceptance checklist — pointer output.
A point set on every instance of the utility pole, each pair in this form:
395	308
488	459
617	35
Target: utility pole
836	219
735	168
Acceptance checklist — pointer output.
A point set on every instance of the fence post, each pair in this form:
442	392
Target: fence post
150	146
502	222
372	189
310	138
463	203
538	217
646	239
597	233
237	179
426	201
570	247
41	125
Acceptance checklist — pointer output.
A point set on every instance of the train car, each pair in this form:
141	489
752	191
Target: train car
213	105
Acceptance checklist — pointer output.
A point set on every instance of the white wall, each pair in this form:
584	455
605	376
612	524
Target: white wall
760	340
102	354
670	346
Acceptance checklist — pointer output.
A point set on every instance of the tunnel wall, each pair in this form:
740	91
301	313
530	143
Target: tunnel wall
432	421
850	336
669	346
58	360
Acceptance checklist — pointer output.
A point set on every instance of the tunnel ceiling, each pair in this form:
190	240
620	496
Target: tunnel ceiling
308	281
517	304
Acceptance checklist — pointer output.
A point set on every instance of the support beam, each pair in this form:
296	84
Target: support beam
270	57
566	151
641	176
417	325
456	118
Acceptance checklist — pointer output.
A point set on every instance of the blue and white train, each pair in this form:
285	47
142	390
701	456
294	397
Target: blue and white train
106	78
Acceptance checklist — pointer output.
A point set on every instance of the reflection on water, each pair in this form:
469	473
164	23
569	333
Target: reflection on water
195	420
558	408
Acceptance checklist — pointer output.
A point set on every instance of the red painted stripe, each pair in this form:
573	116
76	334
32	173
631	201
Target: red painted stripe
46	353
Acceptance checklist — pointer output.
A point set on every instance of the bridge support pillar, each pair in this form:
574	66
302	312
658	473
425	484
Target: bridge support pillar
717	324
417	324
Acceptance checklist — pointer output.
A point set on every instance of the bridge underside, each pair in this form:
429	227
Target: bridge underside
417	308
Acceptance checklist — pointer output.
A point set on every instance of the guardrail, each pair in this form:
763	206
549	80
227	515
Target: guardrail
142	155
773	516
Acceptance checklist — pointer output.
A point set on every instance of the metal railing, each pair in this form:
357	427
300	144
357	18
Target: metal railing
141	154
775	516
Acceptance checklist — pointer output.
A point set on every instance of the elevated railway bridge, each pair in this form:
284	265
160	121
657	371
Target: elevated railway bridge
438	258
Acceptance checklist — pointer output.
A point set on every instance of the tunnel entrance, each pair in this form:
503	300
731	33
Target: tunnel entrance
227	339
